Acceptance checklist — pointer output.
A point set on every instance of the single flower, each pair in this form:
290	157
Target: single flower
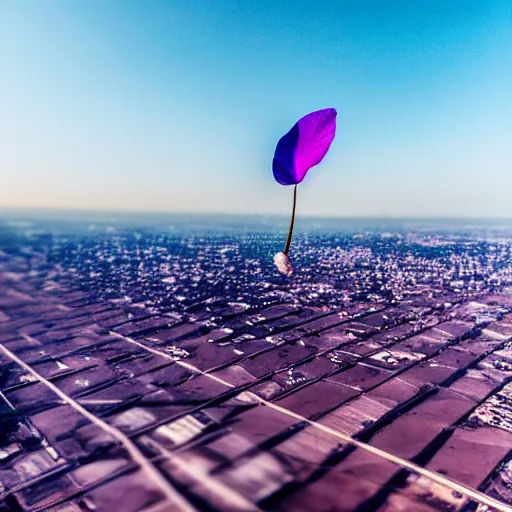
303	147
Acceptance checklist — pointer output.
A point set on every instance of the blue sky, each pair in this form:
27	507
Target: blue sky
177	105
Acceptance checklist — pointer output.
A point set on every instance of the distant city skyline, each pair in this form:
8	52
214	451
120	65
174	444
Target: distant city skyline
177	106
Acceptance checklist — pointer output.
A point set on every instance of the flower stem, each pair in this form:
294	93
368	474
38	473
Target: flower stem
289	239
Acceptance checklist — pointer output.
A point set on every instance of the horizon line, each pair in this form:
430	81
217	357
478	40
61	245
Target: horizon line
58	210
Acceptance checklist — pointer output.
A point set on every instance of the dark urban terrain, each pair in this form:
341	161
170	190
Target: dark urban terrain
160	363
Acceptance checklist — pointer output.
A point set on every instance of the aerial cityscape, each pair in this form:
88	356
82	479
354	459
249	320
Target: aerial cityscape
160	363
255	256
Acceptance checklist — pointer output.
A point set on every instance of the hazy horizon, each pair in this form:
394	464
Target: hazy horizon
17	211
177	107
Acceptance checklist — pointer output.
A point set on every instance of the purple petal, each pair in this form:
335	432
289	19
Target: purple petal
304	146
